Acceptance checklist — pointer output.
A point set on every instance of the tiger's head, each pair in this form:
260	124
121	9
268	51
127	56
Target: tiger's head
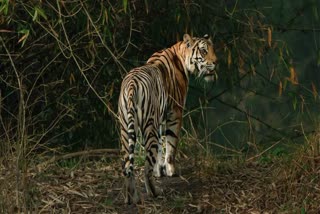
200	57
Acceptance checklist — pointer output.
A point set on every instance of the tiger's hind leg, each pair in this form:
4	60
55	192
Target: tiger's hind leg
158	167
131	194
152	148
172	136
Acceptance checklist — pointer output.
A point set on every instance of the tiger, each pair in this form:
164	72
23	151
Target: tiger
151	102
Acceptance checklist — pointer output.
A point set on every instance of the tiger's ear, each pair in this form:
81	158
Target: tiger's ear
206	36
188	40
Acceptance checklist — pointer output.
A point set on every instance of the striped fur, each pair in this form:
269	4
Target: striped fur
151	102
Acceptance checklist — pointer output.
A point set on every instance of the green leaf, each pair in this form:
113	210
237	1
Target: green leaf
4	7
279	151
23	39
35	15
41	13
315	12
146	5
107	33
38	12
125	5
294	103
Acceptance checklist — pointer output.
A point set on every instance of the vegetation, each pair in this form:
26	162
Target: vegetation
250	141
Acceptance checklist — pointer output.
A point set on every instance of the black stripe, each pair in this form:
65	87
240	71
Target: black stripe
124	147
131	149
153	158
171	133
156	146
131	126
173	146
179	65
132	160
149	161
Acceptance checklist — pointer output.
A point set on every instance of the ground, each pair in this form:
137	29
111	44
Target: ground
202	186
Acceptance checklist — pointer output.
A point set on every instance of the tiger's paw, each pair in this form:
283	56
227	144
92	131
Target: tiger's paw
156	192
157	171
132	199
168	170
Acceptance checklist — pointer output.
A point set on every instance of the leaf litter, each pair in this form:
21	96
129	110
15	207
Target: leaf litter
96	186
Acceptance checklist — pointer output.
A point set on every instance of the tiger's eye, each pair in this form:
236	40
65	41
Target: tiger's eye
203	52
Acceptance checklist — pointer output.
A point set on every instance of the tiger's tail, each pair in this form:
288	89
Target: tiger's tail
131	129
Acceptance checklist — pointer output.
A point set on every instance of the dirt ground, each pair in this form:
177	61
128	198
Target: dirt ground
96	186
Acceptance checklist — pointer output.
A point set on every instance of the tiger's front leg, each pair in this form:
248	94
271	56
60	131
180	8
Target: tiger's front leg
172	132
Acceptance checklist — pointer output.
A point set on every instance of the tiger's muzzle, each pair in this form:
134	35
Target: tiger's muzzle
210	73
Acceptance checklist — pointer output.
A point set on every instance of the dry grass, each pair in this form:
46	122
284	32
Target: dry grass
289	184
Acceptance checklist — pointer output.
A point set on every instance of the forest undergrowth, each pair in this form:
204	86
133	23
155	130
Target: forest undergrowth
91	182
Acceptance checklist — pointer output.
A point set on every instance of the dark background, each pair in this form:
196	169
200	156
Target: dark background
61	66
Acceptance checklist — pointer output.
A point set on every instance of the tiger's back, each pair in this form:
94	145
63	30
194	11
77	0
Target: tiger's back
147	105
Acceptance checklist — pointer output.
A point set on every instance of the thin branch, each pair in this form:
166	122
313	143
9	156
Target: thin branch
264	151
251	116
69	46
101	39
302	29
